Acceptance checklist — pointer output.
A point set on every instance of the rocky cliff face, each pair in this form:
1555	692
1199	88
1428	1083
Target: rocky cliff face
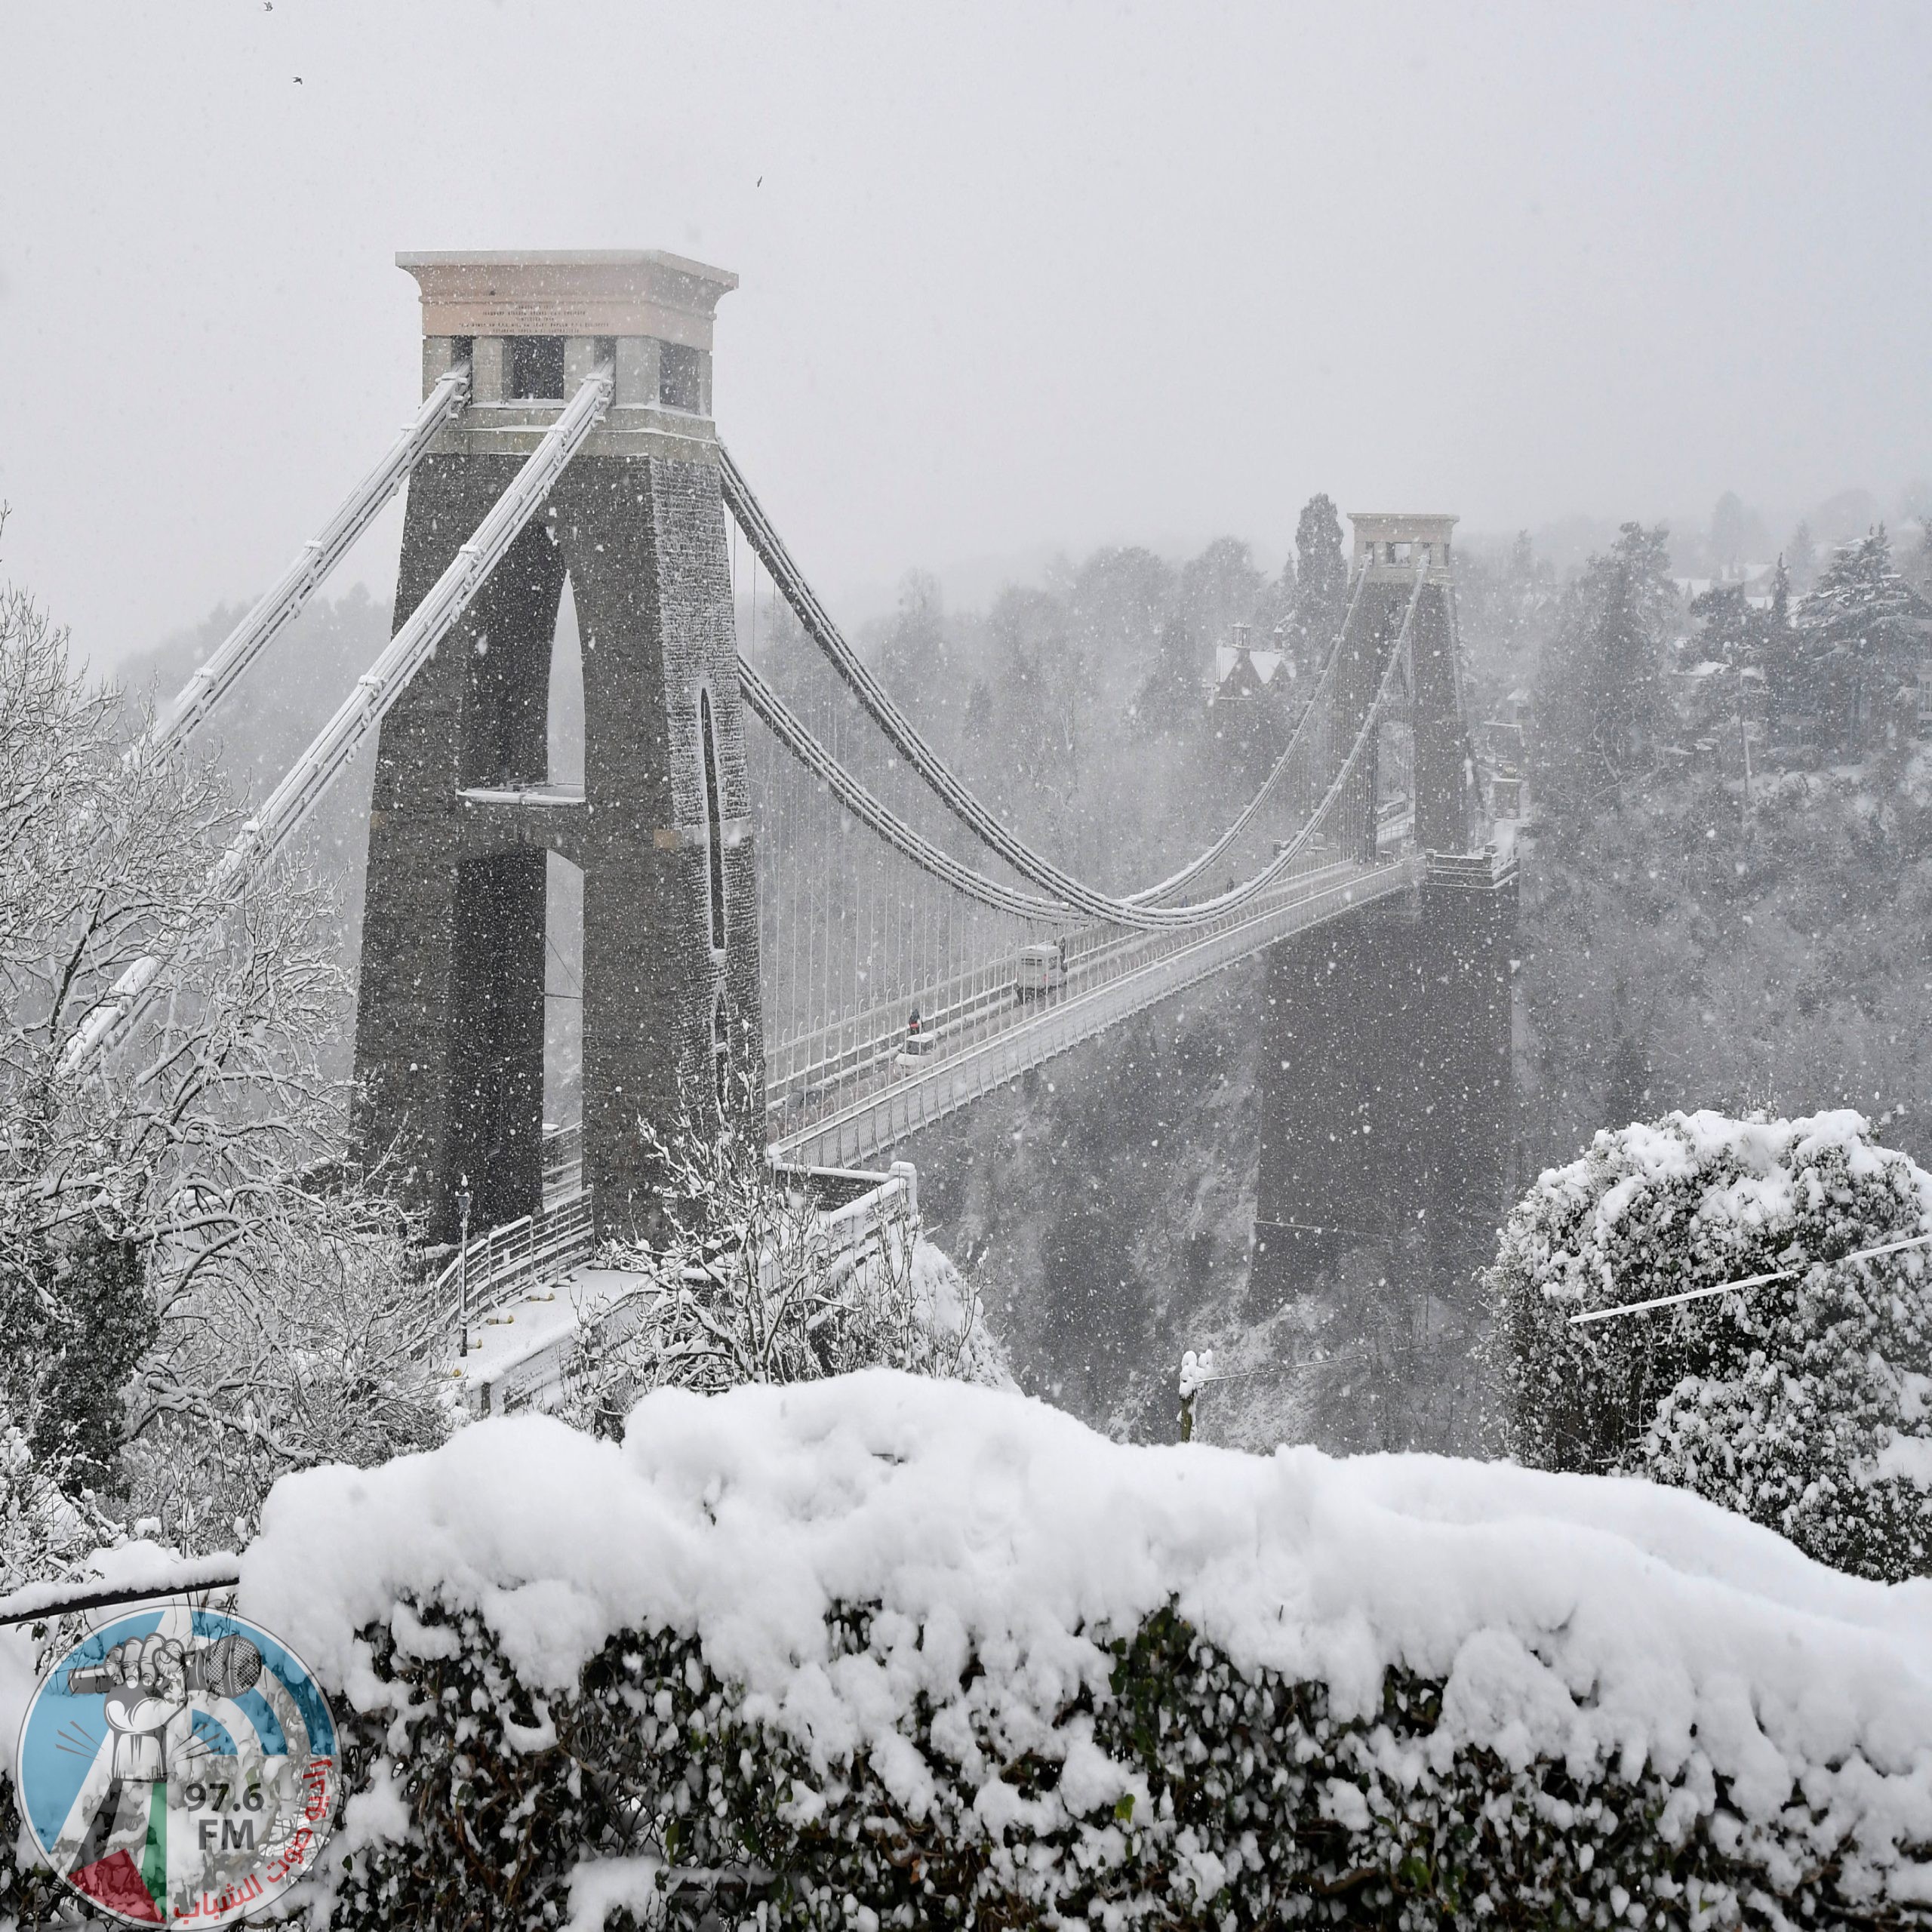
1105	1205
1105	1208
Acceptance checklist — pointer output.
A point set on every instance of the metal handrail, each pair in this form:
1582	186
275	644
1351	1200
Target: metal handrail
503	1258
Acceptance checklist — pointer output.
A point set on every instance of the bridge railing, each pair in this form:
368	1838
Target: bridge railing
858	1206
859	1212
502	1260
866	1116
819	1075
1473	871
563	1162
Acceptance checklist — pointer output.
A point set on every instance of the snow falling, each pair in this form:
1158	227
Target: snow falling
972	974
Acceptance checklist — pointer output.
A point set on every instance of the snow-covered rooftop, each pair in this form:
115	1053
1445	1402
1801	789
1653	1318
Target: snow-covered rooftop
1266	663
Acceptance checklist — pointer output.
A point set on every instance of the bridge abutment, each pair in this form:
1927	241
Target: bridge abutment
450	1022
1387	1111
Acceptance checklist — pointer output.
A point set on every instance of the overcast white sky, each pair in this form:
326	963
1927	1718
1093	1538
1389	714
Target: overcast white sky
1011	275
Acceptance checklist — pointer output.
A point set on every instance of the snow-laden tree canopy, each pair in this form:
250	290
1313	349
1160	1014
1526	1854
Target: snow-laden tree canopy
193	1296
1805	1403
746	1279
1861	602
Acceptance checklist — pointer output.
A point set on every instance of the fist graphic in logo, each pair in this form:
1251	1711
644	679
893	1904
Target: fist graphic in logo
146	1681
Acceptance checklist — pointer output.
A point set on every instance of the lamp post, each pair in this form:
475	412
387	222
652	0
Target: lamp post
462	1265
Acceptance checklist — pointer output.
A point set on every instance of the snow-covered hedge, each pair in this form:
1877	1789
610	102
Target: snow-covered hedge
881	1650
1805	1403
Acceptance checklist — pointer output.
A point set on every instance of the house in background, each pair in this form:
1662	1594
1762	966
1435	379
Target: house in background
1242	673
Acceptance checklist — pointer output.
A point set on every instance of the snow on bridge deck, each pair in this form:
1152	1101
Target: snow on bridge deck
521	1329
518	1350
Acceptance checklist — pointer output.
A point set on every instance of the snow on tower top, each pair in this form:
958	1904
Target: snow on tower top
1394	541
568	292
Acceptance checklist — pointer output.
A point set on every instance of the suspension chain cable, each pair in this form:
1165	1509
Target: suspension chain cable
1134	913
1305	724
899	730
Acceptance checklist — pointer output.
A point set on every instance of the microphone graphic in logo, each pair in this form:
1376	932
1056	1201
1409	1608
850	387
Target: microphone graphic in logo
179	1765
147	1680
226	1668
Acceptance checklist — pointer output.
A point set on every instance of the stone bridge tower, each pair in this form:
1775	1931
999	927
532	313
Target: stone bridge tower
1389	550
1387	1113
450	1025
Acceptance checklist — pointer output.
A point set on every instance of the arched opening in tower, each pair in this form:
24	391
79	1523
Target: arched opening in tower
563	1027
563	728
714	814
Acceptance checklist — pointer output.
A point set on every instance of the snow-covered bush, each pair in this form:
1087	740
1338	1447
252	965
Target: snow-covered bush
742	1280
1802	1403
43	1530
880	1650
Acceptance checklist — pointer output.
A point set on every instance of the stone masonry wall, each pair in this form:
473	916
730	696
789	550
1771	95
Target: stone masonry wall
449	1064
1386	1088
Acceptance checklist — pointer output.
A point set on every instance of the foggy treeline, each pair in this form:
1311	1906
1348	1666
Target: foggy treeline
1682	943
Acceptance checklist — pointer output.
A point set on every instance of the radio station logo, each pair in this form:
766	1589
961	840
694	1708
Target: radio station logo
179	1767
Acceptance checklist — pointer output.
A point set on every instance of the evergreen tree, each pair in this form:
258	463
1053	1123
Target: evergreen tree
1601	698
1860	624
1321	579
1219	589
1860	600
1731	632
1780	655
1802	554
1171	698
1793	1401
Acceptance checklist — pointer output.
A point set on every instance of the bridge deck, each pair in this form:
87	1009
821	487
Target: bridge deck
884	1099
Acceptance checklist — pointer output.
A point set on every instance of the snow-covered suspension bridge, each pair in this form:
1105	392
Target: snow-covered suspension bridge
788	891
916	952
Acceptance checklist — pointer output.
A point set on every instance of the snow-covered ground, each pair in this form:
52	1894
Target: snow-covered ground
519	1351
516	1351
1576	1619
